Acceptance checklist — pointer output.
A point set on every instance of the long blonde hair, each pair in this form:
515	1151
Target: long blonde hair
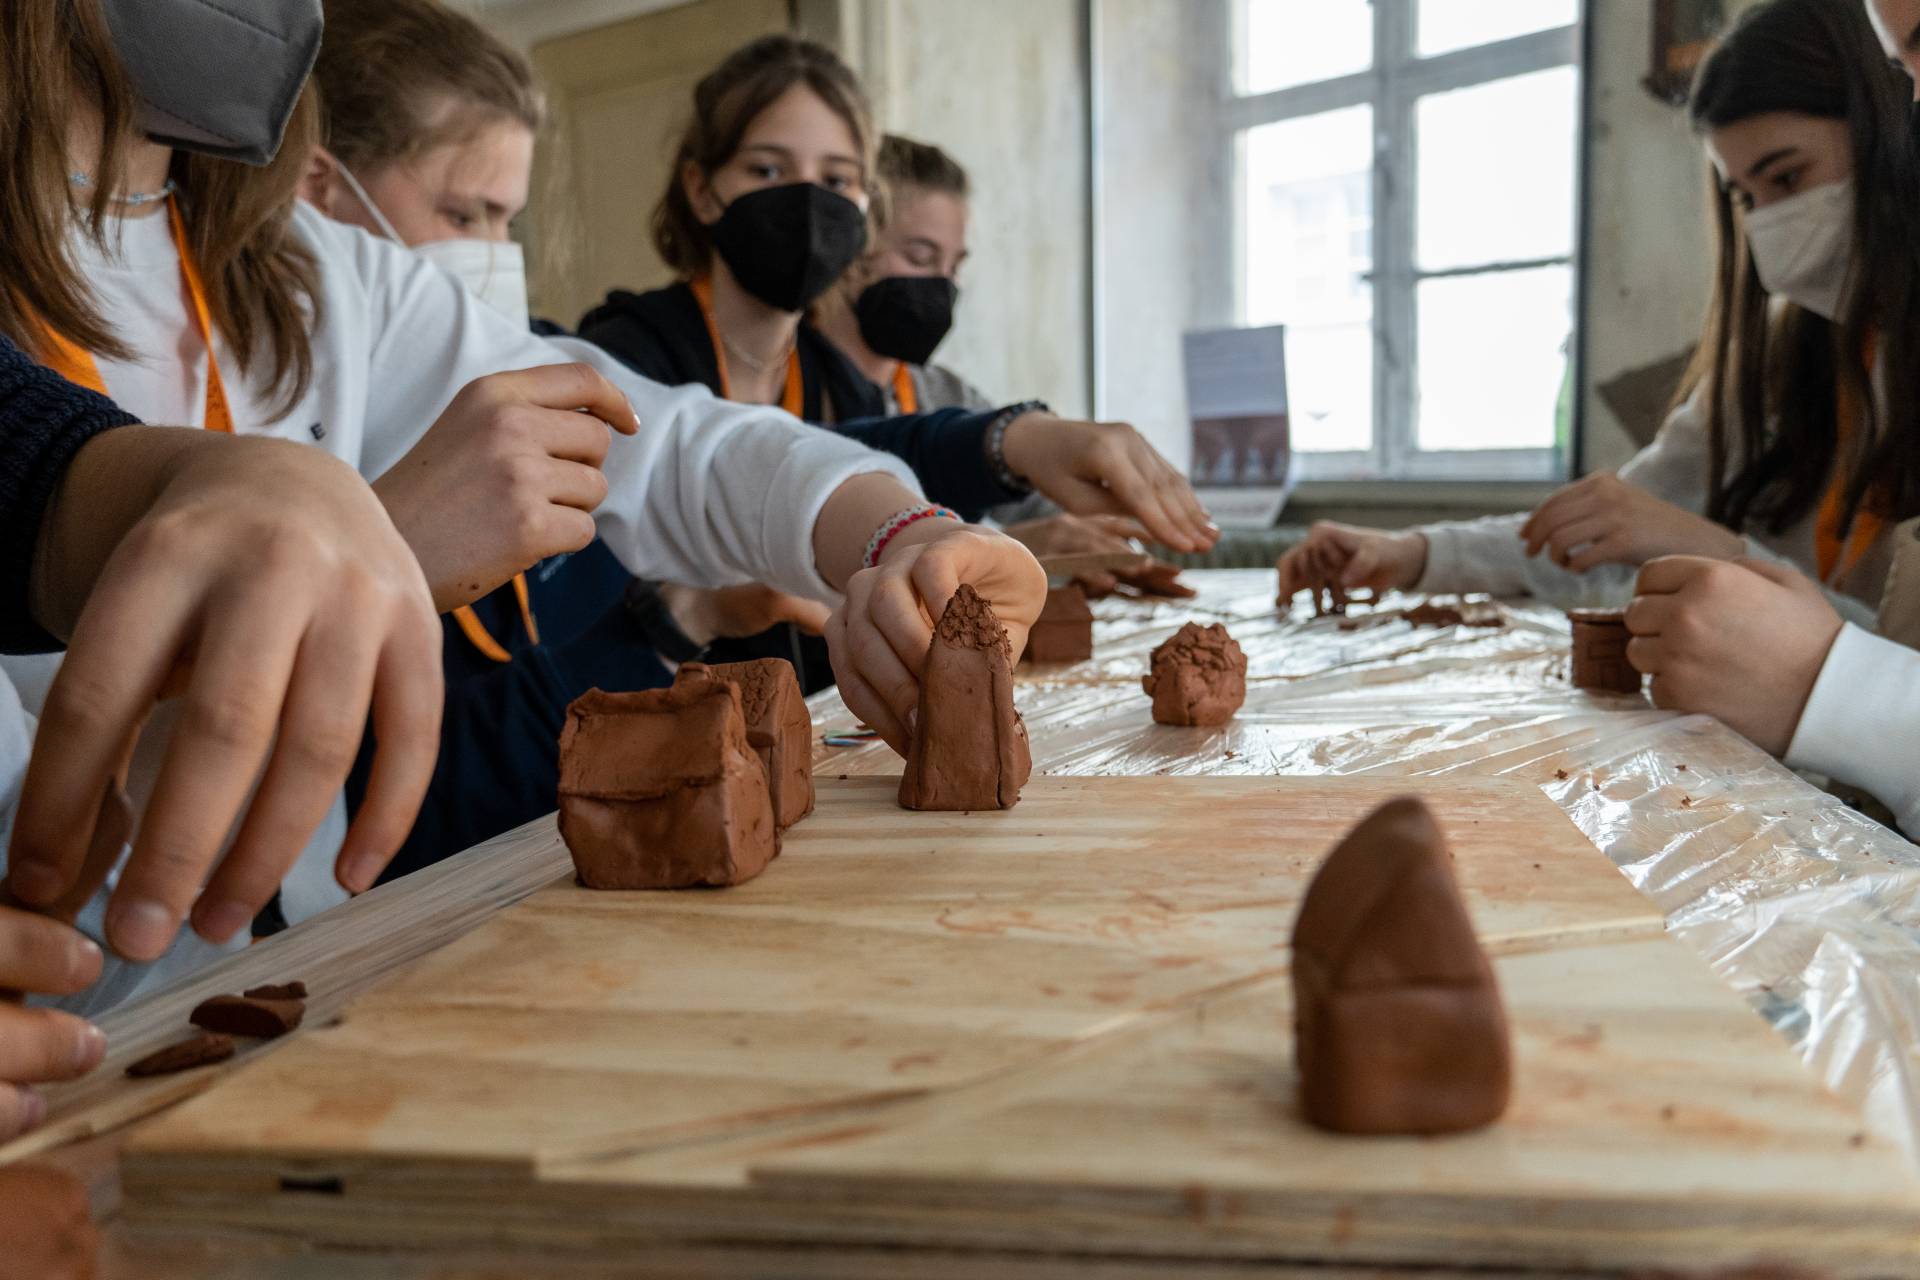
262	287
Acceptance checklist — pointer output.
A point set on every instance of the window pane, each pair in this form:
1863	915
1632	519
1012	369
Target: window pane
1446	25
1309	246
1496	171
1494	359
1294	42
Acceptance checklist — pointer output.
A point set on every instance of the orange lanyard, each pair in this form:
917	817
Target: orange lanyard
904	396
1831	550
478	636
77	365
795	399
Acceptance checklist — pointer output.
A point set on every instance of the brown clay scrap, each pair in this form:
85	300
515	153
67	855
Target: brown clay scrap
969	748
1064	632
1600	652
1198	677
1398	1023
778	727
660	790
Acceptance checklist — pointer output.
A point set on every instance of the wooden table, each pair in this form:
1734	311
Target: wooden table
1776	884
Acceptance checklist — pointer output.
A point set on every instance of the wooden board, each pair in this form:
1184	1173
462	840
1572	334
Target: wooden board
646	1067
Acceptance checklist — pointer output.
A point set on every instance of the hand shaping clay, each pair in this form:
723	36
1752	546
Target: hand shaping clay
778	728
969	747
203	1050
1199	677
1064	632
1398	1023
660	790
295	990
1600	652
263	1019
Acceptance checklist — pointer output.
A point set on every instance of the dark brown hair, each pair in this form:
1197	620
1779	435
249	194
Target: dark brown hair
262	288
725	104
1771	377
385	65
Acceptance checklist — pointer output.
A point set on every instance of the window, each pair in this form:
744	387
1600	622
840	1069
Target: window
1408	173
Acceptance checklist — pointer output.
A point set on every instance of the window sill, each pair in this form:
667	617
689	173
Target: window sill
1456	495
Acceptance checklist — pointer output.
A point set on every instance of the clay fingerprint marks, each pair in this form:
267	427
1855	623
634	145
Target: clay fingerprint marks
1064	632
1198	677
1600	652
969	748
1398	1022
661	790
778	727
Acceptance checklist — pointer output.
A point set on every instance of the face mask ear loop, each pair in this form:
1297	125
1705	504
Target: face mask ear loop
360	194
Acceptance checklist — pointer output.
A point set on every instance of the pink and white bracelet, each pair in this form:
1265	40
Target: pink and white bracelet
896	524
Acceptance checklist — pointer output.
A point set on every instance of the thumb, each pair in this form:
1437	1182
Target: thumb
1781	575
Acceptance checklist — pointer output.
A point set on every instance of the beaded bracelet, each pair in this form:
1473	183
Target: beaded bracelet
996	446
898	522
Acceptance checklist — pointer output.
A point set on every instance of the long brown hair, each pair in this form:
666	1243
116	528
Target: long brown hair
1771	375
725	104
262	287
385	65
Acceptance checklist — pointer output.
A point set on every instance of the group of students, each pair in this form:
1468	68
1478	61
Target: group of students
333	634
347	615
1768	532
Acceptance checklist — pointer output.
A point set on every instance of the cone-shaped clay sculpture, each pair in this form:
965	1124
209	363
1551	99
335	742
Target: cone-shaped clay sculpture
659	790
1398	1023
1199	677
969	746
778	727
1064	632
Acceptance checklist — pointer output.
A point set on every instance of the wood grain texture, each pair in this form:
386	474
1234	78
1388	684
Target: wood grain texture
1060	1027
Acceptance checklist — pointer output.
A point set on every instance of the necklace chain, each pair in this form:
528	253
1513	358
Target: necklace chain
80	179
752	361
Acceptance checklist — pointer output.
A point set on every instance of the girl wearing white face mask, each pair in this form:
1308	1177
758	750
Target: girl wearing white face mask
1793	439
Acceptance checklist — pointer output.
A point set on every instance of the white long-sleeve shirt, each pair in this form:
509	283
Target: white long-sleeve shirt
1862	722
1487	554
708	493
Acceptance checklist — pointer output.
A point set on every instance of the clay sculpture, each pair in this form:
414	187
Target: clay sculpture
1064	632
778	728
1600	652
660	790
1398	1023
1198	677
202	1050
264	1018
969	748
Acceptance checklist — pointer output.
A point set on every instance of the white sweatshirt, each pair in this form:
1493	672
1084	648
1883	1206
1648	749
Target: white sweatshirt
1487	555
1862	722
709	493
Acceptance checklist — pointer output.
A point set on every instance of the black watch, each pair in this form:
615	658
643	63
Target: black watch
655	622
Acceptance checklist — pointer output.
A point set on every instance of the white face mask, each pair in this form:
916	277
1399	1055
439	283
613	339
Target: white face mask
1803	245
494	271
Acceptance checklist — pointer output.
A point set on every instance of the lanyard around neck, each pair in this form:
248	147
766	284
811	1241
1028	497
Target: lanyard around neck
794	401
480	638
76	364
904	396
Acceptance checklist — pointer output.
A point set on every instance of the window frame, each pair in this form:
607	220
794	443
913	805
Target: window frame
1393	87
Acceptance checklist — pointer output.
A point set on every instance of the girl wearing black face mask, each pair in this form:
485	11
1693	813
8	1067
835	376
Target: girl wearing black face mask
767	209
893	309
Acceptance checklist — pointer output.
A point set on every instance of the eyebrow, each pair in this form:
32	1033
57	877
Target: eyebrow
786	153
1768	160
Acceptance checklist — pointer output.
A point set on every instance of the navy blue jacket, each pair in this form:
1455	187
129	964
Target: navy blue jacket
44	419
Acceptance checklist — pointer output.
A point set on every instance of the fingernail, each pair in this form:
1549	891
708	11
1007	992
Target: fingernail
89	1046
222	920
83	962
36	881
140	930
33	1109
913	723
358	871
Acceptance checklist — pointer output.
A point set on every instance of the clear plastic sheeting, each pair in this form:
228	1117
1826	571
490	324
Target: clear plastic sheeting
1807	907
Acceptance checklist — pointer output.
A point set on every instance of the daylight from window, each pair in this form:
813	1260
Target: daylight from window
1409	180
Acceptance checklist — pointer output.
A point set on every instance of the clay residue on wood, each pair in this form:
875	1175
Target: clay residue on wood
263	1019
1198	677
969	748
202	1050
1399	1025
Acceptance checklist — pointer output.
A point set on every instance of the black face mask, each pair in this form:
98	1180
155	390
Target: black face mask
786	245
906	317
